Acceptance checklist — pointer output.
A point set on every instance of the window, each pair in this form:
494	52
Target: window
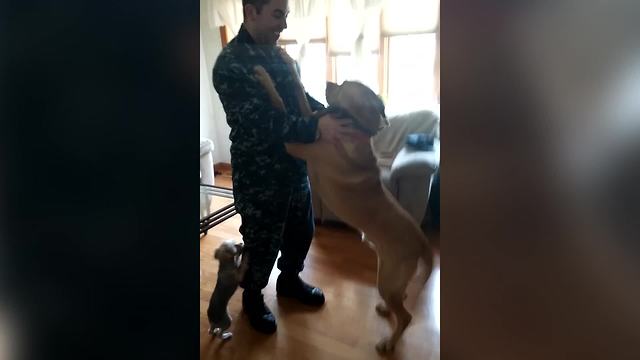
410	61
345	68
410	71
399	40
313	68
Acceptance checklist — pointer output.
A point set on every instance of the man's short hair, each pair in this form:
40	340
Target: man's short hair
257	3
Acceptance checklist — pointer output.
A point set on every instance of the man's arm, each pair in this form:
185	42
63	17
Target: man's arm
247	102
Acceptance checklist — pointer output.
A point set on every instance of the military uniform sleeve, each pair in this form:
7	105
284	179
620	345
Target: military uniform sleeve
247	104
314	104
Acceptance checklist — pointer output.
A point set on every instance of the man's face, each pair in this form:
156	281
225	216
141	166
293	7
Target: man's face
270	22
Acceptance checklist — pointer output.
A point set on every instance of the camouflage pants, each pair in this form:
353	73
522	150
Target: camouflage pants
272	221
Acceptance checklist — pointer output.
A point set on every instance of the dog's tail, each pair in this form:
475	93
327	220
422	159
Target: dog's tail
427	259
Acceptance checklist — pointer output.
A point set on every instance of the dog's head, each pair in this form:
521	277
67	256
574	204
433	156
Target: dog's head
228	250
360	102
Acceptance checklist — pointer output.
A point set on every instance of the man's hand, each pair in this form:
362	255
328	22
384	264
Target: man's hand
334	129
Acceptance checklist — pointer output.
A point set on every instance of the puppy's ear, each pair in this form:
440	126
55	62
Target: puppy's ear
331	91
216	254
239	247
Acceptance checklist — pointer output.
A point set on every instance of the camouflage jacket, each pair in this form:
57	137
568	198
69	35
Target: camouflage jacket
258	130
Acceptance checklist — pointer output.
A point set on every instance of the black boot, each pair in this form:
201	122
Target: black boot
291	286
260	317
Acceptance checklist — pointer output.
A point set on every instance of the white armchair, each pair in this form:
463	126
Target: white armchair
410	176
406	172
206	162
206	173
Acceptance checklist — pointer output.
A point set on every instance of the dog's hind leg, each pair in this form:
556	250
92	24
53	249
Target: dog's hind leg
392	284
426	257
383	310
381	307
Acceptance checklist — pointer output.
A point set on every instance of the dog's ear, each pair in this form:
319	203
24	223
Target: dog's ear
239	247
216	254
383	120
330	92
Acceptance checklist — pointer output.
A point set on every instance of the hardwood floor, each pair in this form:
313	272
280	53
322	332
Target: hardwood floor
346	327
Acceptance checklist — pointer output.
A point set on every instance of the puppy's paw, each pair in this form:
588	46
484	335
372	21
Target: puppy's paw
382	310
263	76
267	83
385	346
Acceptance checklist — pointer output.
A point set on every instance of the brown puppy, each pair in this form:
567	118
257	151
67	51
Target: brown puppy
348	180
230	272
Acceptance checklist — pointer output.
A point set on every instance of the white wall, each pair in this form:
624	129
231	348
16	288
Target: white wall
213	124
207	128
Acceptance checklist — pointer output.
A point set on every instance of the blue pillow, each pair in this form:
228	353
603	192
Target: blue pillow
420	141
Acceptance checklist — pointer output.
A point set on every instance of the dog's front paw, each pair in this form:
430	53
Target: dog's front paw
382	310
385	346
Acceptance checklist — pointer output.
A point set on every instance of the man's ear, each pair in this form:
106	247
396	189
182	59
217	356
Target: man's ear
330	92
250	11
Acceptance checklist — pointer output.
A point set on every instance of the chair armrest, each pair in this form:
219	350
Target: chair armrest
418	163
410	179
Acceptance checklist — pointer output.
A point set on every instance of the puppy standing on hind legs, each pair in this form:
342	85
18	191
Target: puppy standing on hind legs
230	272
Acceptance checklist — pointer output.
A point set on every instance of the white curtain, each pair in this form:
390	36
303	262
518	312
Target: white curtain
354	29
306	21
224	12
354	26
410	16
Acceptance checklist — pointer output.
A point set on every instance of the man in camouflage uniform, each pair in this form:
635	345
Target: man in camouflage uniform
270	187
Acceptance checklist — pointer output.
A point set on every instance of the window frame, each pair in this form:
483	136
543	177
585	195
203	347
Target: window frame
382	52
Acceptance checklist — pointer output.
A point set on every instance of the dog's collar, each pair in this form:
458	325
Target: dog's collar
343	113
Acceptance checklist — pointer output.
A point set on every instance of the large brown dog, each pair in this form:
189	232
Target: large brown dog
348	180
